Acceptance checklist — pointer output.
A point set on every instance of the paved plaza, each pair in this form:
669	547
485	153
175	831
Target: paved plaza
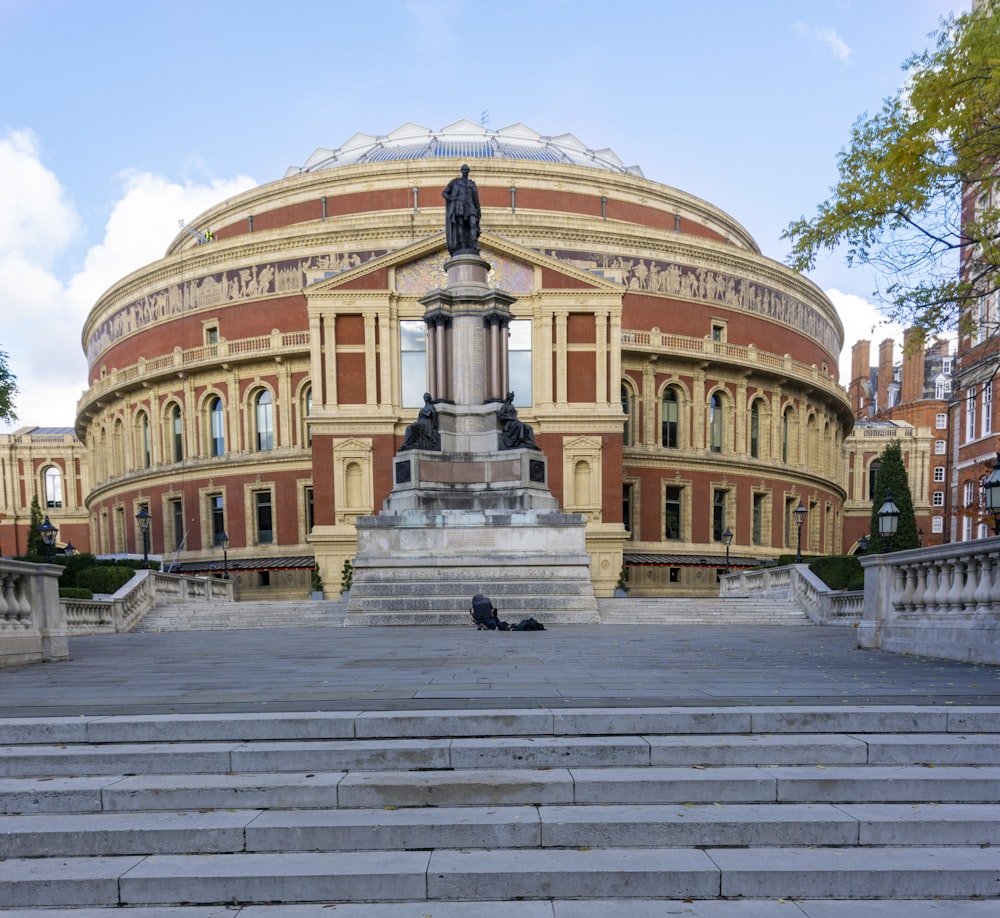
343	669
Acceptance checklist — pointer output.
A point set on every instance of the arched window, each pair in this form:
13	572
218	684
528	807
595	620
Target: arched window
145	456
308	401
872	475
670	419
626	393
786	436
53	487
119	433
715	423
755	429
177	433
264	413
217	427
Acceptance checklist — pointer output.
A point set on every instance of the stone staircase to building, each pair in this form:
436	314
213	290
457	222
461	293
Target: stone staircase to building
526	814
332	613
222	616
708	610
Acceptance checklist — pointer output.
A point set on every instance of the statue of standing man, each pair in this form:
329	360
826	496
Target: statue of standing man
462	214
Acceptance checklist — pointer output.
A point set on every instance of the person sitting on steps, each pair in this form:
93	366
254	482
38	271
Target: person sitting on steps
484	615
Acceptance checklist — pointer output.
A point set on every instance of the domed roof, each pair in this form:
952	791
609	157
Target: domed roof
466	140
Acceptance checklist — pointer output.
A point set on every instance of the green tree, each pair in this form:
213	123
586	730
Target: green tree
8	390
35	545
891	478
919	185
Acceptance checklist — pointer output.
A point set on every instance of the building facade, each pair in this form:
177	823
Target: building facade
257	380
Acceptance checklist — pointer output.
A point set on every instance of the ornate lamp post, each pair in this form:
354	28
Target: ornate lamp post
863	545
991	494
727	539
223	541
800	517
143	518
48	533
888	520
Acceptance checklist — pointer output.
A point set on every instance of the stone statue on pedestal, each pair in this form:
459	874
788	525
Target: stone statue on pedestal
462	212
423	432
514	433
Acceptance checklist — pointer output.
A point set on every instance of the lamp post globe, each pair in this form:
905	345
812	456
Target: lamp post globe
48	532
143	519
800	516
991	494
888	520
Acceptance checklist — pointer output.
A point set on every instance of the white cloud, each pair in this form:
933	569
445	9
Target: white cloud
43	311
824	35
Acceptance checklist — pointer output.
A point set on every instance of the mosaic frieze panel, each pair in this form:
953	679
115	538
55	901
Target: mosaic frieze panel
426	274
711	286
287	276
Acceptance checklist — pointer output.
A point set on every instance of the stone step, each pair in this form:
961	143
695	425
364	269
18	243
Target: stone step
420	828
485	874
650	785
240	615
552	908
28	760
757	720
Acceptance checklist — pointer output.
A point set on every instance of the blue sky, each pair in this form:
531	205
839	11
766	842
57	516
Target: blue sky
118	118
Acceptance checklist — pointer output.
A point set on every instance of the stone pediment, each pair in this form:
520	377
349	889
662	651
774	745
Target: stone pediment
418	269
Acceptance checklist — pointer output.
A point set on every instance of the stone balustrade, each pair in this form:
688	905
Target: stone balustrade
144	591
32	625
795	581
942	601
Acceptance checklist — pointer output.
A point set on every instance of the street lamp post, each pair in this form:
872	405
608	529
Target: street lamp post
143	518
991	494
888	520
48	533
863	545
727	538
800	516
223	541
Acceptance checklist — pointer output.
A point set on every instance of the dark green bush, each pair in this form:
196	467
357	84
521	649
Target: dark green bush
105	578
74	593
838	572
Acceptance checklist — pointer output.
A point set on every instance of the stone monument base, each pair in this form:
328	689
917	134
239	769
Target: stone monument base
420	567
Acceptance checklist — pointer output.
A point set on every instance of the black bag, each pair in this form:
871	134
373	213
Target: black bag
528	624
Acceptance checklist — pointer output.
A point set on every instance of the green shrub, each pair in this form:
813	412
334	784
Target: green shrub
104	578
74	593
838	572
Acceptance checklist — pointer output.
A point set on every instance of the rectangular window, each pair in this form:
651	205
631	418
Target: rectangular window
672	514
939	473
941	421
217	515
937	524
718	514
939	447
177	520
211	334
790	526
519	361
939	498
265	526
310	510
413	361
670	420
970	414
986	425
757	523
627	507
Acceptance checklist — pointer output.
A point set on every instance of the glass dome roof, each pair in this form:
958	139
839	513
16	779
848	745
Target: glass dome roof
465	140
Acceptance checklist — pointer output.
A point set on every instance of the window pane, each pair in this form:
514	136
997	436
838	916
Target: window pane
413	362
218	430
670	424
265	422
519	361
265	532
672	514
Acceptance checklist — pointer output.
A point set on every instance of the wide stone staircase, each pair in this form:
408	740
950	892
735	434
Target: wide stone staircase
222	616
748	812
702	610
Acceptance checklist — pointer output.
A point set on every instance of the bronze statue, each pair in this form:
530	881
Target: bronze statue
514	433
423	432
462	214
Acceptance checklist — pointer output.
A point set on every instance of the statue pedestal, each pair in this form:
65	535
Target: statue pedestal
472	517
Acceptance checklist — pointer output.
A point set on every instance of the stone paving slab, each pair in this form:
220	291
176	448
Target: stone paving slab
858	873
570	667
301	877
669	872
